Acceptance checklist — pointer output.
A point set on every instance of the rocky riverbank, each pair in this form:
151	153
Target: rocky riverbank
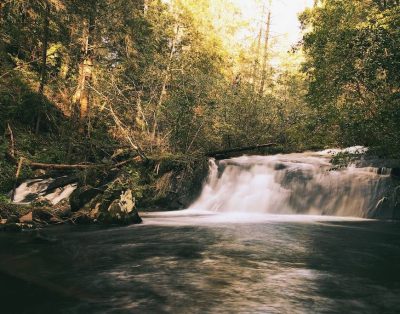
117	208
117	197
113	198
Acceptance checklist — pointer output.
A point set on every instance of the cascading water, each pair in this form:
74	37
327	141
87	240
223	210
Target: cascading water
31	190
300	183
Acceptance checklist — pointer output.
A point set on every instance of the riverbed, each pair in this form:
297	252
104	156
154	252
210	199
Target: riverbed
182	262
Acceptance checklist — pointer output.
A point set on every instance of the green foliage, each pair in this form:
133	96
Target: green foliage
129	178
343	159
4	199
6	177
352	52
7	171
164	77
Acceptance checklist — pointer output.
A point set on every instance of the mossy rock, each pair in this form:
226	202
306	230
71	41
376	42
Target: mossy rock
120	211
82	196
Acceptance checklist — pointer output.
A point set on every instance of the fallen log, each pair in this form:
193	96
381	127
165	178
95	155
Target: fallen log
223	153
39	165
11	145
17	173
61	182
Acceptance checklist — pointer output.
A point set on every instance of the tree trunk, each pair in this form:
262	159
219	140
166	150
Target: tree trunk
224	153
145	7
40	165
256	62
266	53
17	173
82	94
1	12
165	82
256	66
11	144
43	70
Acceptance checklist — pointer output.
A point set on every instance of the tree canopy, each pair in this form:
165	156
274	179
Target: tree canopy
79	79
352	53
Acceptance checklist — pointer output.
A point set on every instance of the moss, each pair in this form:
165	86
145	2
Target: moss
343	159
175	181
8	209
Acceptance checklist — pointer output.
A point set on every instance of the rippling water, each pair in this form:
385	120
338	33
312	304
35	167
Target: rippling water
188	262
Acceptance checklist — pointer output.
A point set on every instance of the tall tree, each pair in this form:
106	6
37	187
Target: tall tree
352	52
43	69
266	50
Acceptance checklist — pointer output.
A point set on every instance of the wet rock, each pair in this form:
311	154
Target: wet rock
41	214
280	166
81	196
17	227
41	202
61	182
383	209
39	173
125	204
121	211
12	227
396	214
384	171
26	218
12	219
95	211
395	173
82	218
62	209
397	196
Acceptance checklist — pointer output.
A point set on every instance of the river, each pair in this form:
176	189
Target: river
266	235
291	264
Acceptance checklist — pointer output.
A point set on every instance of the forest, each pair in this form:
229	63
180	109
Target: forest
144	90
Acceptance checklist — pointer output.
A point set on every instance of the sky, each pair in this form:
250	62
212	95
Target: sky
285	27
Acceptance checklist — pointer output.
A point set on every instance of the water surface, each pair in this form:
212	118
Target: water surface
197	263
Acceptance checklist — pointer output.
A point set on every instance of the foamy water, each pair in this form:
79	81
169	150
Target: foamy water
301	183
34	188
191	217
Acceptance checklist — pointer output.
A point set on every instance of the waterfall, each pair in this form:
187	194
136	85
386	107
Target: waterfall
31	190
299	183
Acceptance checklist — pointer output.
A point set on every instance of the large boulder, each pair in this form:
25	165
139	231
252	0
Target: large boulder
120	211
396	214
82	196
41	216
383	209
41	202
178	184
395	173
111	207
26	218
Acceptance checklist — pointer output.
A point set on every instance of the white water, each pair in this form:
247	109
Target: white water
301	183
247	187
32	189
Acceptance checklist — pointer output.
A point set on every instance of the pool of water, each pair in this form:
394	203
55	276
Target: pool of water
203	263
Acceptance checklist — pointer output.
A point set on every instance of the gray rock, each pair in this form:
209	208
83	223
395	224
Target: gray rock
82	196
12	219
396	214
17	227
395	173
41	202
383	209
121	210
